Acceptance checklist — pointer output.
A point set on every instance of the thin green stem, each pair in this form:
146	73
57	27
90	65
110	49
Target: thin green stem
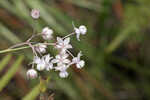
15	49
28	41
25	47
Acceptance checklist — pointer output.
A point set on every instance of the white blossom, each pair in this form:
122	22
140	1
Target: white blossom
76	60
61	59
41	65
41	48
81	30
35	13
31	73
62	68
36	59
47	33
48	64
63	45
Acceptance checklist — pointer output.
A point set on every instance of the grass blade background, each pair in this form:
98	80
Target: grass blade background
7	77
5	61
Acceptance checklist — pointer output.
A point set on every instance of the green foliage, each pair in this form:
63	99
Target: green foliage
5	61
7	77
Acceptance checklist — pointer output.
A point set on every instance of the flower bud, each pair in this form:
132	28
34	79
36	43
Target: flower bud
35	13
63	74
83	29
41	48
47	33
31	74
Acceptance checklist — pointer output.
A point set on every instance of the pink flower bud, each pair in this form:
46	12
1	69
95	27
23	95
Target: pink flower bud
31	74
35	13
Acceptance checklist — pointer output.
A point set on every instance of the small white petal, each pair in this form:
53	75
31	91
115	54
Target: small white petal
58	46
66	61
45	30
58	57
66	41
61	67
59	40
69	46
47	58
49	66
79	55
36	60
75	60
63	50
78	36
41	66
50	31
77	31
64	55
54	60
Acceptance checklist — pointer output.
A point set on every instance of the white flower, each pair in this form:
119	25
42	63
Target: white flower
41	65
63	45
63	74
47	33
35	13
61	59
48	64
62	68
79	63
31	73
36	60
81	30
41	48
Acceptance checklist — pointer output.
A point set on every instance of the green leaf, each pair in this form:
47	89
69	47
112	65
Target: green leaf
41	87
11	72
8	34
4	62
33	93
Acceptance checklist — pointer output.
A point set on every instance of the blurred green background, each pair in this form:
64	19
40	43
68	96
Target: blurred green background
116	49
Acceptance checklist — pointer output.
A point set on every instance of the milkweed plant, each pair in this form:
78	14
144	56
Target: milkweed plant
43	60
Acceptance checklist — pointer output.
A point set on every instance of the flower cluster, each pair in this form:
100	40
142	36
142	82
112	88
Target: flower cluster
60	62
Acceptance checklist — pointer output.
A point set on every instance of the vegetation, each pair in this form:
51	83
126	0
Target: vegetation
115	49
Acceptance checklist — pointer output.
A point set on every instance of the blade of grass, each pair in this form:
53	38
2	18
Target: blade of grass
7	77
41	87
33	94
120	38
8	34
86	4
5	61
